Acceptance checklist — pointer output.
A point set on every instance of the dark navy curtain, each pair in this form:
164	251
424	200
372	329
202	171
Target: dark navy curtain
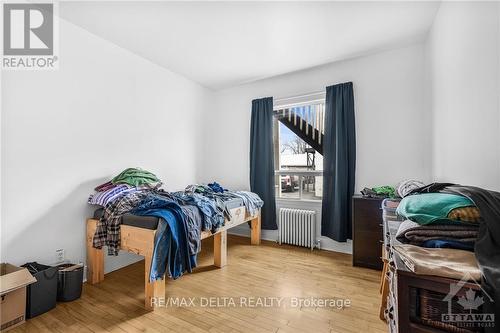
262	159
339	162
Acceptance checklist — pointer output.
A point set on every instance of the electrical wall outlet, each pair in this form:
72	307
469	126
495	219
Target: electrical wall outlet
85	273
60	256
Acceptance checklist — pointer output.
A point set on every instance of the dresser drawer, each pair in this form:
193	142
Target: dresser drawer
367	230
367	250
367	215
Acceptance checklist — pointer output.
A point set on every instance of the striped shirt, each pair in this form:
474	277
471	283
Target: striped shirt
105	197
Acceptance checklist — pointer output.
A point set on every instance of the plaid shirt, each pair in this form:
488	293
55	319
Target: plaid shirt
108	227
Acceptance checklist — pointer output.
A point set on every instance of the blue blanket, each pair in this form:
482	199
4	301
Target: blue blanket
171	249
449	244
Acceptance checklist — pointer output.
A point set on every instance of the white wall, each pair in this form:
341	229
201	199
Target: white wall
105	109
66	131
464	57
392	119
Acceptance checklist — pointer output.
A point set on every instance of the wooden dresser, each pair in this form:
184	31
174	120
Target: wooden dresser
367	232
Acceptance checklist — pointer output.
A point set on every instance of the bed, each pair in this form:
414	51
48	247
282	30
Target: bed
138	234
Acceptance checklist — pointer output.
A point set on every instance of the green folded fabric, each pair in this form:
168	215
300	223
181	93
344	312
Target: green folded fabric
385	190
429	208
135	177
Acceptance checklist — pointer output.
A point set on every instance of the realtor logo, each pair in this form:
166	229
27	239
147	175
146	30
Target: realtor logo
469	302
29	36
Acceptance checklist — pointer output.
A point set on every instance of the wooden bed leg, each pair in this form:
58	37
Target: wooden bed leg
384	291
220	249
95	257
255	234
153	291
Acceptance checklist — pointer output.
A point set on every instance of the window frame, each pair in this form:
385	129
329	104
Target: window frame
288	103
301	174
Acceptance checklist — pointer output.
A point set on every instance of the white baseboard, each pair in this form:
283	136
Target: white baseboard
272	235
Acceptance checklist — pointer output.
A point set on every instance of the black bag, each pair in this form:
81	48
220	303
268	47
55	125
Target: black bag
41	296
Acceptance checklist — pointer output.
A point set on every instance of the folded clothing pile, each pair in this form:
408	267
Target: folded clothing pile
459	236
483	209
438	220
128	181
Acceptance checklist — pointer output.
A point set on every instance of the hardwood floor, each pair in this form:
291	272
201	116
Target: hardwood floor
268	270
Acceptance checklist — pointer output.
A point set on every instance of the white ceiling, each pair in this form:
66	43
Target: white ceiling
224	44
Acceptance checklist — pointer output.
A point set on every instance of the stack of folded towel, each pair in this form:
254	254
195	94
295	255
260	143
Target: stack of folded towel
439	233
438	220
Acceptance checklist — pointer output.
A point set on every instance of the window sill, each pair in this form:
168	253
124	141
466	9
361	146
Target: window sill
299	200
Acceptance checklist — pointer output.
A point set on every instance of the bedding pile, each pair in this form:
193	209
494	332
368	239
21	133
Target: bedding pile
437	220
459	218
182	216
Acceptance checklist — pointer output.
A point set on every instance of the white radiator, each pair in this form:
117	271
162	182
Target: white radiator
297	227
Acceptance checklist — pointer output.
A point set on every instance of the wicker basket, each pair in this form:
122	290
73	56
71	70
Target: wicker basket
431	306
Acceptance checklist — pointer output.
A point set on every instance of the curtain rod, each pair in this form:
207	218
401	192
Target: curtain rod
282	99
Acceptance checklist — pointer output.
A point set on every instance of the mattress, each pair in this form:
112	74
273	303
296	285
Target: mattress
146	222
233	203
151	222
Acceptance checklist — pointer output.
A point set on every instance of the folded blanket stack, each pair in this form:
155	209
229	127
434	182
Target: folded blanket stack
460	236
438	220
468	206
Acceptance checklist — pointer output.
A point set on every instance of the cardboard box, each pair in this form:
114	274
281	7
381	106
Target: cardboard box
13	282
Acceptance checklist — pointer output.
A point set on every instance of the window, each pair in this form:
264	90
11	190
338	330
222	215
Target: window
298	137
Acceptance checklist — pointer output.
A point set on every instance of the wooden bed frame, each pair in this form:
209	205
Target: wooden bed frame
141	241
